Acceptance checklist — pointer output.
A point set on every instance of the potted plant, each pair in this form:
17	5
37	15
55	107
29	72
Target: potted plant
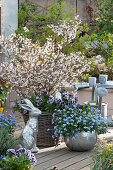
79	125
47	104
21	159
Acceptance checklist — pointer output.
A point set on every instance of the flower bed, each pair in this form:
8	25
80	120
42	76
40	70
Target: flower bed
103	157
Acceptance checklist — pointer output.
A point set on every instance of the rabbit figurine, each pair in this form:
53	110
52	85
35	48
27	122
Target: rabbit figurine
29	134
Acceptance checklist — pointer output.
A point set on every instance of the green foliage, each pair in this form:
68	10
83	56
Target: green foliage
97	44
11	162
30	16
6	140
85	77
105	16
103	46
24	12
102	157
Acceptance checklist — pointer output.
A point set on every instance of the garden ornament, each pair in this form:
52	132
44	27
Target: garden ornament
29	134
101	92
92	83
103	78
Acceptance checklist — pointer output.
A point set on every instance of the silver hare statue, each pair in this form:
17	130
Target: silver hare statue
28	136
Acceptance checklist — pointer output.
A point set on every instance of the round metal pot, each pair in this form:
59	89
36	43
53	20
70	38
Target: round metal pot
82	141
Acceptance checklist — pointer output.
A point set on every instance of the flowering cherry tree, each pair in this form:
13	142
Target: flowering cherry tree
35	67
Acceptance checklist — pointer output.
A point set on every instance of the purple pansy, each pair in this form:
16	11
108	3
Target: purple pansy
20	150
63	91
11	151
33	159
19	101
30	156
44	92
38	101
71	95
51	100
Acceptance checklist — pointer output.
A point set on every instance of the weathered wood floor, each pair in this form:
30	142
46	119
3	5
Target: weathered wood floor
62	158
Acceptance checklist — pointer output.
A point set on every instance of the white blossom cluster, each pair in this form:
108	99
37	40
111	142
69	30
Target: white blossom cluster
35	68
67	28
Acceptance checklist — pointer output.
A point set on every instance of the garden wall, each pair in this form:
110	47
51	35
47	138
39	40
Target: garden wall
84	8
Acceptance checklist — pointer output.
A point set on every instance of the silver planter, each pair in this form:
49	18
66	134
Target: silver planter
83	141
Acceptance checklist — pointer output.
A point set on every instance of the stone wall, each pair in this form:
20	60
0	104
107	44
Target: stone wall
84	8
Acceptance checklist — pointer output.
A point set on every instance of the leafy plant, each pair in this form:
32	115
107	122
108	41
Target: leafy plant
105	16
102	156
78	118
20	159
98	44
30	16
6	140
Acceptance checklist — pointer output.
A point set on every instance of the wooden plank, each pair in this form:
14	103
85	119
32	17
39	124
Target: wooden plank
68	161
48	150
61	161
79	165
53	155
86	168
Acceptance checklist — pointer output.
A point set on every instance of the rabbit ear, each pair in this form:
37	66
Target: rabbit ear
25	106
28	102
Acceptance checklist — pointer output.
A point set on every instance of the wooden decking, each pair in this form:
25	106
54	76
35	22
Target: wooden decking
62	158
